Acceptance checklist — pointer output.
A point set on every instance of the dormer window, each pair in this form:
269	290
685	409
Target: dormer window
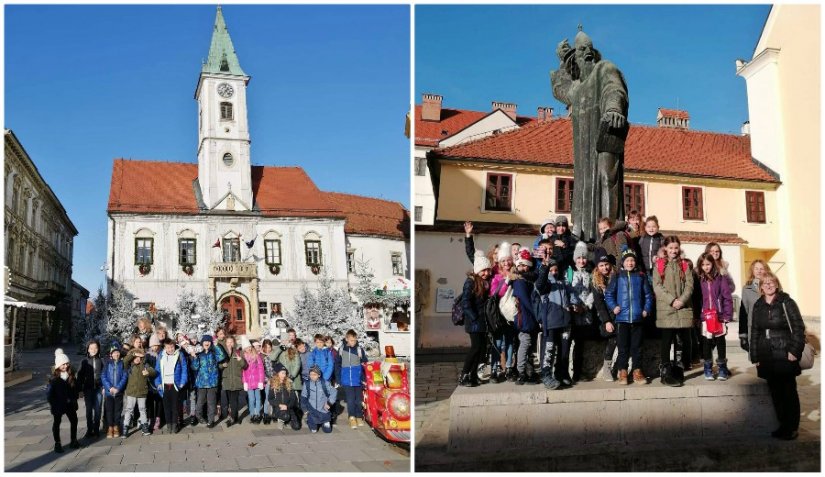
226	111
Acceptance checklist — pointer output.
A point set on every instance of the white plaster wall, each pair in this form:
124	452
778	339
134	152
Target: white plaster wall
424	196
377	253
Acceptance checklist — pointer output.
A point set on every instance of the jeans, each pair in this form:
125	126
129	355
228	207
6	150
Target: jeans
354	396
785	400
556	352
129	408
525	352
72	415
503	343
207	396
233	401
154	405
317	418
267	408
669	335
629	339
478	346
114	410
721	349
170	404
579	336
94	405
610	348
253	402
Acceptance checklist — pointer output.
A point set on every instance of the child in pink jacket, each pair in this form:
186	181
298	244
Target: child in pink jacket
254	378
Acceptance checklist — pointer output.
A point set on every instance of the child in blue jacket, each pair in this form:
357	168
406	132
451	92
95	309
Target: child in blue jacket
350	374
205	364
630	298
322	357
172	376
317	399
554	303
114	384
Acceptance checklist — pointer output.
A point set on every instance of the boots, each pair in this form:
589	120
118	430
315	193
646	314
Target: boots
58	448
623	376
638	377
607	372
267	419
110	432
512	375
724	372
74	444
115	431
709	371
144	428
522	378
353	424
466	381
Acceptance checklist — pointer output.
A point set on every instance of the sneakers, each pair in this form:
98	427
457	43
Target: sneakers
550	382
623	377
466	381
125	431
110	432
512	375
281	424
566	379
638	377
115	431
724	372
327	427
313	431
498	377
74	444
212	424
708	371
522	379
607	372
229	422
353	424
193	421
267	419
360	421
144	428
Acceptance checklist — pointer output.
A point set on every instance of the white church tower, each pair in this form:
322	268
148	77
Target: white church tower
224	167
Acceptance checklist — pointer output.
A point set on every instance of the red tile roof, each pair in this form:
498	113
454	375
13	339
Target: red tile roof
167	187
369	216
429	133
674	113
648	149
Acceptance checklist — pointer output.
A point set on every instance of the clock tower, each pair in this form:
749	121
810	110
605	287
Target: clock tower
224	166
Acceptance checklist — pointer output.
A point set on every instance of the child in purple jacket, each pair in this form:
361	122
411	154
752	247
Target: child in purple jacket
716	295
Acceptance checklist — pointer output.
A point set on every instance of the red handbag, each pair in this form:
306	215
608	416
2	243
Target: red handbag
712	323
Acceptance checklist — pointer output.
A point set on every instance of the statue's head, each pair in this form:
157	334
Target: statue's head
585	55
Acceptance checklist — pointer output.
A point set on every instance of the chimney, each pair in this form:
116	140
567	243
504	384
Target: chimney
673	118
431	107
746	128
508	108
544	113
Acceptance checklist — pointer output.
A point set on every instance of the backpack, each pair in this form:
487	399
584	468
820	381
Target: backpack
660	267
495	320
458	311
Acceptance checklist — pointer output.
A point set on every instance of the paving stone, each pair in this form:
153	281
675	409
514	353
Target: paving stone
253	462
105	460
222	464
383	466
118	468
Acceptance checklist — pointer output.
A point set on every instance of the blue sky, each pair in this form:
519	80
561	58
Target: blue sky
87	84
670	55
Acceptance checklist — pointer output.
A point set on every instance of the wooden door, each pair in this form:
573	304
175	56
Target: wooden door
235	311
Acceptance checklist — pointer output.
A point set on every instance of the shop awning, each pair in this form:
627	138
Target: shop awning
7	301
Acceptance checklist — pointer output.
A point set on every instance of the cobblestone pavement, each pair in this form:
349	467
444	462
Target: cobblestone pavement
436	377
29	445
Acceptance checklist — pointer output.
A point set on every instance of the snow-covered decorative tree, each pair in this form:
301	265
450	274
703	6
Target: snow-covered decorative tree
326	309
94	325
119	313
365	289
196	313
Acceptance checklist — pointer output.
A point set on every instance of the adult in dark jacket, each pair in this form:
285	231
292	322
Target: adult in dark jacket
750	295
777	341
282	398
564	244
649	243
554	304
607	326
61	395
90	383
473	297
525	321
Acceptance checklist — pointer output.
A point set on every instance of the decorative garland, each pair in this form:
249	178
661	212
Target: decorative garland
274	269
316	269
188	269
144	268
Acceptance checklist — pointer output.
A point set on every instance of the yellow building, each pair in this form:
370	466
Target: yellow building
703	186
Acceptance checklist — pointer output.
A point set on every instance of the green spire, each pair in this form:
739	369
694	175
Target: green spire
222	57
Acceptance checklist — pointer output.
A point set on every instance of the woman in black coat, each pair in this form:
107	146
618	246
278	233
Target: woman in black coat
282	399
90	383
473	297
62	397
776	344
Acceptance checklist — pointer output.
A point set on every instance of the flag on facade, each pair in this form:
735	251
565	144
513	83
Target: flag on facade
251	242
217	244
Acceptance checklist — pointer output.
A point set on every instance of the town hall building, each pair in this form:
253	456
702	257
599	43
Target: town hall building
249	236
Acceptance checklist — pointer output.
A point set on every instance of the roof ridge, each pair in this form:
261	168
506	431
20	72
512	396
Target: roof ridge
365	197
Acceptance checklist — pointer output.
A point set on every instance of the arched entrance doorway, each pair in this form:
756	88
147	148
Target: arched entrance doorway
234	309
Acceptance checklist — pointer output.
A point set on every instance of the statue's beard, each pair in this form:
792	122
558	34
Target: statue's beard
586	68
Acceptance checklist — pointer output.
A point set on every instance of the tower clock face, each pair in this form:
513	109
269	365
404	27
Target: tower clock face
225	90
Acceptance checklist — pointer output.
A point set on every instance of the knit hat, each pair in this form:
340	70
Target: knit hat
58	351
480	262
543	224
154	340
278	368
605	258
580	250
561	220
316	369
206	338
245	343
524	257
628	253
60	359
552	263
503	251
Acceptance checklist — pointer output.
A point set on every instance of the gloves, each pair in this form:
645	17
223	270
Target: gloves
743	342
245	387
260	385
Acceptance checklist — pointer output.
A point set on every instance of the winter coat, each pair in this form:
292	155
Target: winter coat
181	372
137	385
525	320
336	366
553	298
205	365
499	283
317	393
580	281
615	240
670	288
473	307
304	365
269	360
114	376
349	361
89	375
772	339
470	248
254	375
232	379
649	245
564	255
602	312
62	396
282	396
293	368
630	291
716	295
323	358
723	270
750	294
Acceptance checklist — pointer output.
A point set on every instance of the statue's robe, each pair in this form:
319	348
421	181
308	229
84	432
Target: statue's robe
598	150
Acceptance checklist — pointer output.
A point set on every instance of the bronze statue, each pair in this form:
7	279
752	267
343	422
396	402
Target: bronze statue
596	95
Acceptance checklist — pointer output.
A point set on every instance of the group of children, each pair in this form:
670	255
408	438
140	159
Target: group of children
154	380
565	291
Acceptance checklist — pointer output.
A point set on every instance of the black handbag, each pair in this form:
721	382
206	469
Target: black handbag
672	374
495	320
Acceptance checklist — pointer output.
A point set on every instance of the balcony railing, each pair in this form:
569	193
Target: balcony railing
233	270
